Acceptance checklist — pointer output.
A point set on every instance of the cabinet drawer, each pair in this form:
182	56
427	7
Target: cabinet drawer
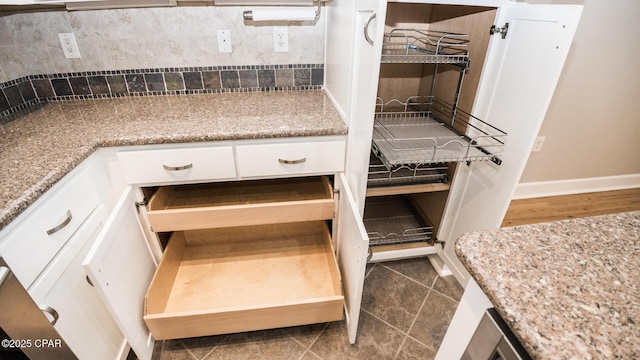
35	242
171	165
291	158
201	206
218	281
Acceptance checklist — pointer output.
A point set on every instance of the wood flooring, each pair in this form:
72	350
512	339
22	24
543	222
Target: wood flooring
553	208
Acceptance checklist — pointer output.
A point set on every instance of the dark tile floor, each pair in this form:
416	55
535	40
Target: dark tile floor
406	309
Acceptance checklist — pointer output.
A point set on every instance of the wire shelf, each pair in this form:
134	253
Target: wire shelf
402	227
425	46
424	130
380	175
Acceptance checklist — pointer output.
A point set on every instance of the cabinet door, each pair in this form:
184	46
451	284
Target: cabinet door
520	75
353	248
121	266
83	321
355	34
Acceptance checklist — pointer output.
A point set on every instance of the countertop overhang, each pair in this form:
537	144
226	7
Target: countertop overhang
41	147
568	289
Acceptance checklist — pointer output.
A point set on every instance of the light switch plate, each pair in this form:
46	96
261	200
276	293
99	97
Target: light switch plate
69	45
224	41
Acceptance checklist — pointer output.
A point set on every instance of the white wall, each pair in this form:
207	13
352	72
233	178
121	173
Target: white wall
592	127
147	38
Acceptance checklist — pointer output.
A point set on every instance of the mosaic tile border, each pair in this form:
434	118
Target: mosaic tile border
24	94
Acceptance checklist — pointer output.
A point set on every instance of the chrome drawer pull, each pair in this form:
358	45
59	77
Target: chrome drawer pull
66	222
51	311
366	29
292	162
176	168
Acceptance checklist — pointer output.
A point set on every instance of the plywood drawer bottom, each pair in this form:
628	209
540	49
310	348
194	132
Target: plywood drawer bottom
220	281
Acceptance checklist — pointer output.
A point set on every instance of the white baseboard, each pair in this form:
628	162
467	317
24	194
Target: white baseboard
576	186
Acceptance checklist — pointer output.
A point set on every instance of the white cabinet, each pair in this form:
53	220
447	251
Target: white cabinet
275	230
509	84
121	266
45	246
290	158
30	247
177	165
64	289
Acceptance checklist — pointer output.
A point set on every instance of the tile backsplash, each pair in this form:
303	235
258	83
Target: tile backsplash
149	51
148	38
20	95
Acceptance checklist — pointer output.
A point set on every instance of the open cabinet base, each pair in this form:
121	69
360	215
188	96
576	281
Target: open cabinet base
219	281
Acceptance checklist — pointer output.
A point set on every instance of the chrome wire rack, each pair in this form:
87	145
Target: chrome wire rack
425	46
380	175
424	130
402	227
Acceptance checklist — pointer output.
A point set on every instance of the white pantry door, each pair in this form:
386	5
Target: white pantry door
518	80
121	267
352	60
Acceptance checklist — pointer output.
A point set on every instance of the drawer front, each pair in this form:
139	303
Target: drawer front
201	206
177	165
291	158
266	276
35	242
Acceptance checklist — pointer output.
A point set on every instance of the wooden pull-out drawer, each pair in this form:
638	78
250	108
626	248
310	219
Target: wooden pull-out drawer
202	206
218	281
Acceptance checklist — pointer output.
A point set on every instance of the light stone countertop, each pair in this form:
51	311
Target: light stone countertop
568	289
38	149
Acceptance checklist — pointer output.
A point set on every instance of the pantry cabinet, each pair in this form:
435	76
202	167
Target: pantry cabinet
415	79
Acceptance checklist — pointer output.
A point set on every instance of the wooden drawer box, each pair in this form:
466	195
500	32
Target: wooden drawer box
218	281
202	206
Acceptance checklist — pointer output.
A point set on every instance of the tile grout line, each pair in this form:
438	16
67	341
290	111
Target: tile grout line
410	278
308	349
215	347
406	334
415	318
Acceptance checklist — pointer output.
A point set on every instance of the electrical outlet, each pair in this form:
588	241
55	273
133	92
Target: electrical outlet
537	145
280	39
69	45
224	41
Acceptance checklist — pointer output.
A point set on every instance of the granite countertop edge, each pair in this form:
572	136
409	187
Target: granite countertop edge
559	305
20	200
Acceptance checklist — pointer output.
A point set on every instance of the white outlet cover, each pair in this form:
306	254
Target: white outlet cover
224	41
69	45
280	39
537	145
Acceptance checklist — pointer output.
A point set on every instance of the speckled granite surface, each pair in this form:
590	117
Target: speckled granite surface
568	289
39	148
